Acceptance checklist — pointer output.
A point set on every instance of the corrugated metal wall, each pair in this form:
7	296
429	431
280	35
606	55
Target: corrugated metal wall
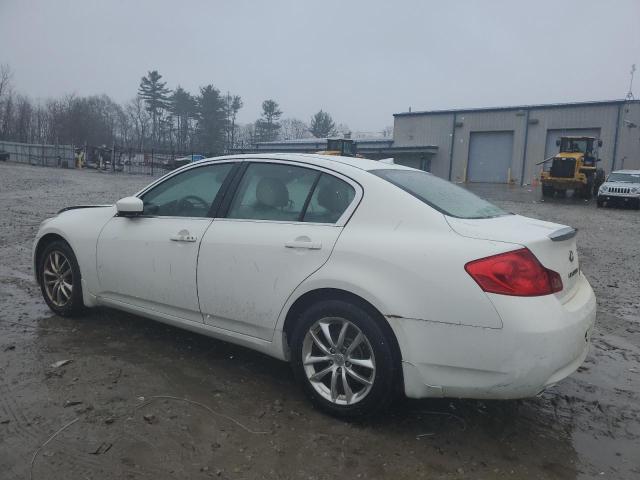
530	126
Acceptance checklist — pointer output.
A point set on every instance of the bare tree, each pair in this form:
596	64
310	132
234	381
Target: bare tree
294	129
6	75
140	119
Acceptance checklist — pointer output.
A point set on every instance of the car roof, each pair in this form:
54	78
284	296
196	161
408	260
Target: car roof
334	162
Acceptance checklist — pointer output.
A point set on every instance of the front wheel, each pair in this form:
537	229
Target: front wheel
59	278
343	359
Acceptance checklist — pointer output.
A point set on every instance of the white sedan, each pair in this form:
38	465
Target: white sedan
369	278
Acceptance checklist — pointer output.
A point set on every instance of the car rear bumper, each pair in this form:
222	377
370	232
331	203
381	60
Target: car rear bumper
542	341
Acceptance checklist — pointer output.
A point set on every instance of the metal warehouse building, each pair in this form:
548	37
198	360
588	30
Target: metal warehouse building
416	156
505	144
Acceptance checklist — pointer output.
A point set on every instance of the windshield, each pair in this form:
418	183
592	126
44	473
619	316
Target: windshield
624	177
444	196
573	145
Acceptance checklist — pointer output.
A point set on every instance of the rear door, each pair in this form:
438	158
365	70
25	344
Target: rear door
279	227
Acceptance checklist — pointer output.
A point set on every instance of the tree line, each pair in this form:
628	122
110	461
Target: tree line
156	118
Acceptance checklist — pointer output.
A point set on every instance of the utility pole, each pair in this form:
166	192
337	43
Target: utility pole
630	92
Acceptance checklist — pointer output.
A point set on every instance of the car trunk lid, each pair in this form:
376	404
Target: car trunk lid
554	245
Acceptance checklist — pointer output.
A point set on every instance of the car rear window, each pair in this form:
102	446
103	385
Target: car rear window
440	194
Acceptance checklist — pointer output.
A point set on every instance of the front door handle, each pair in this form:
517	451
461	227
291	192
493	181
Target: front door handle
304	242
183	236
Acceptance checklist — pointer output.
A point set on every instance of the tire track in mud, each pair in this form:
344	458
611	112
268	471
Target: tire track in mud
75	460
19	421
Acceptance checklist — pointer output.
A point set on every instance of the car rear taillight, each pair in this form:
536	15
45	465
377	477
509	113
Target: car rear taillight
516	273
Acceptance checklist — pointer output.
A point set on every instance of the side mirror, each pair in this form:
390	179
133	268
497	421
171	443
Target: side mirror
557	142
599	143
129	206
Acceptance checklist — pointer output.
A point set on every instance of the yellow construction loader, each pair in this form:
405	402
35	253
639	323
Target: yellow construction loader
574	167
344	147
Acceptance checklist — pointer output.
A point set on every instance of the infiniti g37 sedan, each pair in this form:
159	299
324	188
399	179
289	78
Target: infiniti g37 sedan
369	278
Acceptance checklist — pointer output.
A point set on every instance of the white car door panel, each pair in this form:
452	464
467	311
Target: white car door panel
280	227
248	269
151	262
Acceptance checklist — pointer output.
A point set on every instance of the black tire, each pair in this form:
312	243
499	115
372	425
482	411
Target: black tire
587	190
74	304
384	378
547	191
598	180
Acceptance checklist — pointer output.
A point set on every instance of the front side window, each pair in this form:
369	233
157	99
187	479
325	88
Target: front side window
188	194
273	192
440	194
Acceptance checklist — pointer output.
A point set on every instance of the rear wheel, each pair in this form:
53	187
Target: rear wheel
343	359
59	278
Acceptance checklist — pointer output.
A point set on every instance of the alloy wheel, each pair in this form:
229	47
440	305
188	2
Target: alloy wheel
338	361
57	277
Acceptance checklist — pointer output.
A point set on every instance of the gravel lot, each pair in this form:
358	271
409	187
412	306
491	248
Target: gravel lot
250	419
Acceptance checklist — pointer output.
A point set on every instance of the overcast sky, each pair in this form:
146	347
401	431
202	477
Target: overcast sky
361	61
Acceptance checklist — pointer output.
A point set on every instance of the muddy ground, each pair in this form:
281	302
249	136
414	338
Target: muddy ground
250	419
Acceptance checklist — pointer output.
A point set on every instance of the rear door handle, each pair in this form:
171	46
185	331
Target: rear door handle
308	244
183	236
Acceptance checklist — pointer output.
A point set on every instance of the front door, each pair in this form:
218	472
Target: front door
150	261
281	226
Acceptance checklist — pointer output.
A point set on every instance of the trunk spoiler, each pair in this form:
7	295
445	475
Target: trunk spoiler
563	234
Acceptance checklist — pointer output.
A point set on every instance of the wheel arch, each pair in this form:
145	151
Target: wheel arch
40	246
311	297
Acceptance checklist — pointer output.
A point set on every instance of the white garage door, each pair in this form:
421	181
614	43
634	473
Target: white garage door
490	155
552	135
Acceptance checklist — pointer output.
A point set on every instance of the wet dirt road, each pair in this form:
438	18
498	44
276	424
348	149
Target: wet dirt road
125	386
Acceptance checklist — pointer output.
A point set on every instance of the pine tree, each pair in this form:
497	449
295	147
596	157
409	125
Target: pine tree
211	120
233	104
155	94
322	125
268	126
184	107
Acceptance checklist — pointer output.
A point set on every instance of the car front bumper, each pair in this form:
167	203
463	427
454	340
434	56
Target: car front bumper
542	341
619	198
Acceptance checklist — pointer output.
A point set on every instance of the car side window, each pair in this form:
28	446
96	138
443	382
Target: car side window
329	201
270	191
187	194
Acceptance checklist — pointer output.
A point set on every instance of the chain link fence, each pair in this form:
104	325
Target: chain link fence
112	159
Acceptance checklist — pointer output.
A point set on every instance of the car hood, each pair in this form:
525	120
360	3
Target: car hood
76	207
